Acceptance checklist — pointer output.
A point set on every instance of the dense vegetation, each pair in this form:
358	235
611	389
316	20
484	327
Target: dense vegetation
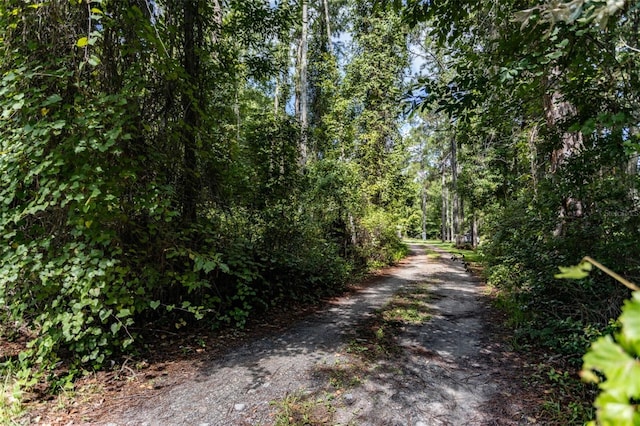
532	108
173	161
203	161
542	104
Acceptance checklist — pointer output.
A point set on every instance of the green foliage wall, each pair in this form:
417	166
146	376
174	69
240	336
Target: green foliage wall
65	174
146	176
543	100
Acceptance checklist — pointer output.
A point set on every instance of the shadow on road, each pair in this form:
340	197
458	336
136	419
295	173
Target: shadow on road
447	371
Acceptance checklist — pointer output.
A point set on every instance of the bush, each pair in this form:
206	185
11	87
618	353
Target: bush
522	254
379	240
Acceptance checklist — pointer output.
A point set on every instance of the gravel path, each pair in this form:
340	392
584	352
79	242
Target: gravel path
448	372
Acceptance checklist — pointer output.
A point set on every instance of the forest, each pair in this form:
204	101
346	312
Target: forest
184	162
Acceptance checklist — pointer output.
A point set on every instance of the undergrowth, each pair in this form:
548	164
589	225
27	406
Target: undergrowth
300	409
12	387
557	344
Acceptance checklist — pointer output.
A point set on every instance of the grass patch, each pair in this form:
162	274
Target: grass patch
319	407
345	375
11	408
431	253
473	256
301	409
377	336
566	397
409	307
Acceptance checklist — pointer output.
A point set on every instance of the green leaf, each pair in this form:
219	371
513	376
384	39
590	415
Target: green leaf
52	100
603	353
589	126
630	317
629	337
554	55
589	376
615	409
104	314
93	60
621	369
59	124
18	105
82	42
115	327
577	272
125	312
154	304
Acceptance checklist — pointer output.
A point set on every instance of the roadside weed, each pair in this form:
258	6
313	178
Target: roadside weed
10	397
300	409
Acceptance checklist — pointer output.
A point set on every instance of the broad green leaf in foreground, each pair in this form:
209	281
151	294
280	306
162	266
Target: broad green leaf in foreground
630	318
622	370
575	272
616	360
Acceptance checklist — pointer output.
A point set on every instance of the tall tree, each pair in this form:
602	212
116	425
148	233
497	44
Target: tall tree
192	34
302	89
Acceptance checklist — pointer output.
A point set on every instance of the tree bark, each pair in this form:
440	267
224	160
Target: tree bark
450	219
558	110
444	214
190	112
302	66
328	24
276	100
632	172
533	159
424	212
455	201
217	16
353	230
474	231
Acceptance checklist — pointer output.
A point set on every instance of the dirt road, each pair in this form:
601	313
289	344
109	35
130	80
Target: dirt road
447	371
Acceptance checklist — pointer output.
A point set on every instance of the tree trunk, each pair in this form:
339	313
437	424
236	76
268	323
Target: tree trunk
632	172
352	230
456	204
450	219
328	24
217	17
190	117
424	212
533	159
302	92
276	100
474	231
557	110
444	214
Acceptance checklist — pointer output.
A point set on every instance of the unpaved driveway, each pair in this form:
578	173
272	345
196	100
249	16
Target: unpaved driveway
448	372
